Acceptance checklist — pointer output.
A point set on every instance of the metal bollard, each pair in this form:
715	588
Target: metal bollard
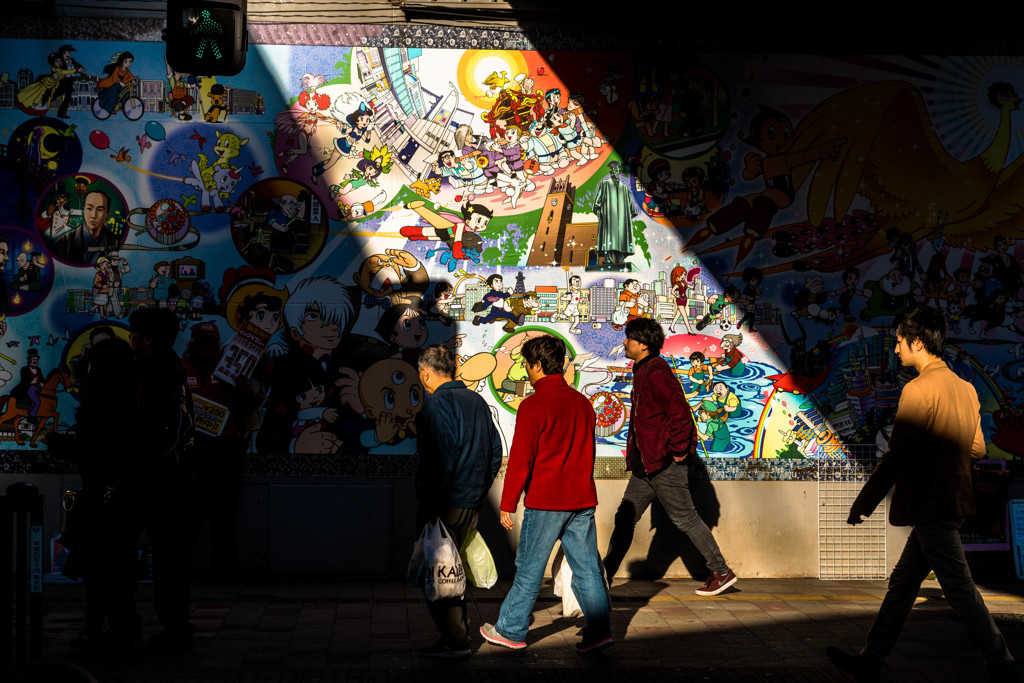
21	550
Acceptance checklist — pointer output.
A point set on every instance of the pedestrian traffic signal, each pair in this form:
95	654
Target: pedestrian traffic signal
206	38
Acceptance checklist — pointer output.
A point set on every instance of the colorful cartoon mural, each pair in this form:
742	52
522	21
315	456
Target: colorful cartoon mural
334	209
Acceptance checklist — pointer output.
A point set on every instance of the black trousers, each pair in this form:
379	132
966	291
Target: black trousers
935	546
168	514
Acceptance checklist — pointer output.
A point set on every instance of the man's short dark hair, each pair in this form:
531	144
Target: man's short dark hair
925	323
159	325
106	197
440	359
548	351
646	331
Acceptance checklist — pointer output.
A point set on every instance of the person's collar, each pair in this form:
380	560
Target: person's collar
638	363
450	384
544	381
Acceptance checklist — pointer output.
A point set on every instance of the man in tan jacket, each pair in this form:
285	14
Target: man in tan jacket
936	434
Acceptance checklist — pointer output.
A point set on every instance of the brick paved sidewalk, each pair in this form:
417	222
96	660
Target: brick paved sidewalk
306	631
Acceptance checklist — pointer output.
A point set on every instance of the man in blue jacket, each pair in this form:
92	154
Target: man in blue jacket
460	454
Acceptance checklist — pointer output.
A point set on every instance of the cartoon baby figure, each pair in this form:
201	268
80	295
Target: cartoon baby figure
389	394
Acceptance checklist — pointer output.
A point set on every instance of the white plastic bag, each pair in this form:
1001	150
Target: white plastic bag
477	561
563	587
445	577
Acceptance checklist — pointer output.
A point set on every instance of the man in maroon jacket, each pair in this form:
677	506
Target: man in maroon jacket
661	437
552	459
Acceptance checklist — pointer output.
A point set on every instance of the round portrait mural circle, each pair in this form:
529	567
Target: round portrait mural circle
75	356
279	224
80	218
45	147
26	271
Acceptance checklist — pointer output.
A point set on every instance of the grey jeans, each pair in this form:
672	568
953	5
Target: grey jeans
671	486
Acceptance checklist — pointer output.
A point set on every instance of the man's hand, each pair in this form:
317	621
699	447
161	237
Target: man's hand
855	517
679	458
506	520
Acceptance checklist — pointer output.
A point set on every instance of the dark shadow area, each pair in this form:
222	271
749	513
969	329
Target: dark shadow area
364	631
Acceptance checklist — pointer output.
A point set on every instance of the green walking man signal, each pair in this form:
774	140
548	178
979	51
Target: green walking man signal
206	38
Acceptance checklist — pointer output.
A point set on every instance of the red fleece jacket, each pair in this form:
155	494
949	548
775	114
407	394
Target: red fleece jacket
552	454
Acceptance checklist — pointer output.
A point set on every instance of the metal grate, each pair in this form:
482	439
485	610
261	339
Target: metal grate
845	551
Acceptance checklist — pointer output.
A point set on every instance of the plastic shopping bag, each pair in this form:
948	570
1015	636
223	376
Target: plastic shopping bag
563	587
445	577
477	561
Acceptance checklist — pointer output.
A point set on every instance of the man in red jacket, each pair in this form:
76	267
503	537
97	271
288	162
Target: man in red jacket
661	437
552	459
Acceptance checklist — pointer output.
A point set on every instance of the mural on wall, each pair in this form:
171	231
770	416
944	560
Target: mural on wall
332	210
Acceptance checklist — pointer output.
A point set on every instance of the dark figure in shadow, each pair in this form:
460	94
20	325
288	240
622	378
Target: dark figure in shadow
218	457
169	464
108	455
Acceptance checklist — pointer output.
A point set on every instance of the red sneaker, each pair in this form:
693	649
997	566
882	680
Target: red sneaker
717	583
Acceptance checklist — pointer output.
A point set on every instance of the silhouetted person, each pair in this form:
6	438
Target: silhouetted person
460	454
218	457
661	437
106	446
936	433
168	454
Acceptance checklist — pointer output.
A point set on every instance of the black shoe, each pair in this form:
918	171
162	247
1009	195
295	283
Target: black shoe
591	644
443	650
862	670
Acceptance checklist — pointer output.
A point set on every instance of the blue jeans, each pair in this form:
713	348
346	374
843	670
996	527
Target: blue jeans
578	533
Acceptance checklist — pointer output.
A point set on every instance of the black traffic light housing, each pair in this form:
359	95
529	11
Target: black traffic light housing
206	38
